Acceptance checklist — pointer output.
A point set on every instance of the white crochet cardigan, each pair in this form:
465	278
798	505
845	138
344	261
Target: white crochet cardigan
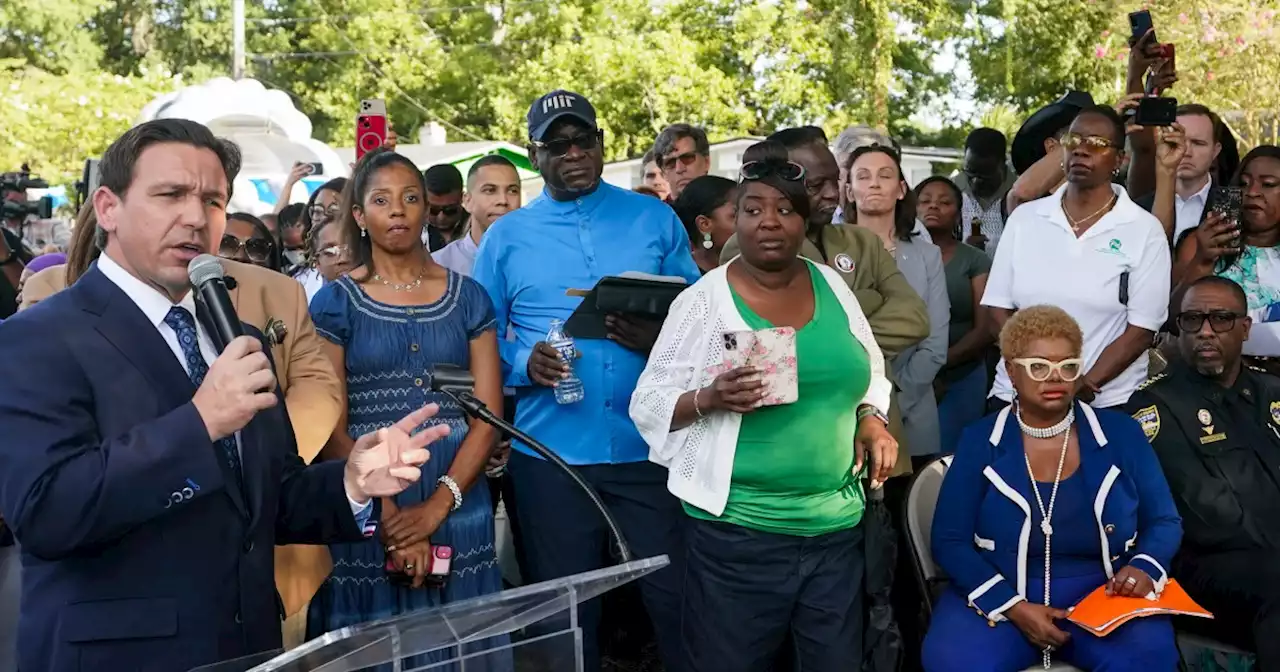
700	457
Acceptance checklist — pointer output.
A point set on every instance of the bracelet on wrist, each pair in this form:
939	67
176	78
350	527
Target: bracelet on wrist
697	409
452	485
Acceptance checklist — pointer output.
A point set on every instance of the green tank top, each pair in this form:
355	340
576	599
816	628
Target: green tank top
793	469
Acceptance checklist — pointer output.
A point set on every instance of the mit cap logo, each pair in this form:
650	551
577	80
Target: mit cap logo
558	102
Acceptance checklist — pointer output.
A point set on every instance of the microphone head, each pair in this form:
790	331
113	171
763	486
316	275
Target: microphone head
451	378
204	268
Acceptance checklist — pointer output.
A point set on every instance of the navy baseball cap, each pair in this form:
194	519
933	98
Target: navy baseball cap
559	103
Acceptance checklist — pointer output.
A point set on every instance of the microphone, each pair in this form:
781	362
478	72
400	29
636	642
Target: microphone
210	281
457	382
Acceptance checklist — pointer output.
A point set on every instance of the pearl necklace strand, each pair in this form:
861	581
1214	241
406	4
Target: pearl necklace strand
1046	514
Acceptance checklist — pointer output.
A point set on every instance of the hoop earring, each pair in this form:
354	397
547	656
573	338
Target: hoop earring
706	240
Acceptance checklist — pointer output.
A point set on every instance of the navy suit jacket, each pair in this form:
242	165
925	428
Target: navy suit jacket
138	551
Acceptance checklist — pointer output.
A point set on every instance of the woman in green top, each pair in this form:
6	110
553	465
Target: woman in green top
773	492
963	382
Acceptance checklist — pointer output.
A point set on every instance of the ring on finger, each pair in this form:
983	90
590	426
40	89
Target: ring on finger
1131	581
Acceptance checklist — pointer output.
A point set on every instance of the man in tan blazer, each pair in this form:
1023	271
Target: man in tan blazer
276	305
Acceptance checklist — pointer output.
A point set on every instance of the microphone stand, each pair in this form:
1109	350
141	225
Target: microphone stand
477	409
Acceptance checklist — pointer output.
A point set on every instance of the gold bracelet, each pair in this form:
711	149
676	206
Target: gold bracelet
696	409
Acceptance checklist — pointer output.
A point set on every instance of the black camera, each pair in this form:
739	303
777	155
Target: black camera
19	182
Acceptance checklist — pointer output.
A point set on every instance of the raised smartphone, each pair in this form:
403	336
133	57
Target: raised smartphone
371	127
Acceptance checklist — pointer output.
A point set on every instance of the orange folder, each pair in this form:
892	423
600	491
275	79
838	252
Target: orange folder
1100	613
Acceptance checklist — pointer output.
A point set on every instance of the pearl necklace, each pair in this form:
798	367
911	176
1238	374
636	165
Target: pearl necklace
1046	432
1046	514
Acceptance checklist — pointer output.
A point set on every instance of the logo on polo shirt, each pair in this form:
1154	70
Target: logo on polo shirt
1113	247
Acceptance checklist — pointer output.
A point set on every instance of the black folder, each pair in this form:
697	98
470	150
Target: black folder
646	297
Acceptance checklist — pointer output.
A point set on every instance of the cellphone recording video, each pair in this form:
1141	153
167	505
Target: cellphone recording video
773	351
1139	24
1227	202
371	127
1155	111
317	168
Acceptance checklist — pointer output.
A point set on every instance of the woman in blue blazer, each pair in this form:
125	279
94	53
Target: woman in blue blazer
1098	493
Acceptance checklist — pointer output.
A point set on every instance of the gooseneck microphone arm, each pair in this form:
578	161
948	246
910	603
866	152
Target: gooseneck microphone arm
460	391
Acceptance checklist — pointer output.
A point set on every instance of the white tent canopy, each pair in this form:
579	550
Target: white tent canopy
271	132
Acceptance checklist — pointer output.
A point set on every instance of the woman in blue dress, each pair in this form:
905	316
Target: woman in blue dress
388	323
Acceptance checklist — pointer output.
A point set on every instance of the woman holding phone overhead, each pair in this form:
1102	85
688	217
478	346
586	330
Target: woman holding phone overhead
766	449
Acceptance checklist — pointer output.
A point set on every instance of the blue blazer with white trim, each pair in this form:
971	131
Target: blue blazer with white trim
982	525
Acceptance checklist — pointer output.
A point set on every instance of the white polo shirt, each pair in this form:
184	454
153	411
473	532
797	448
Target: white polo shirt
1041	261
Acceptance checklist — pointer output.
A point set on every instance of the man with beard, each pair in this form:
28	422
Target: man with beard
1218	451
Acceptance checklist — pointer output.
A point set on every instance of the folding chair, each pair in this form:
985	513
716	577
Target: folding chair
922	500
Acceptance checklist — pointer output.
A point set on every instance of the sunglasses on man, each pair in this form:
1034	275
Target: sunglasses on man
561	146
446	210
686	160
256	250
1220	321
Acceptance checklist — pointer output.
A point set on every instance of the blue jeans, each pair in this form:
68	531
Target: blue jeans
964	402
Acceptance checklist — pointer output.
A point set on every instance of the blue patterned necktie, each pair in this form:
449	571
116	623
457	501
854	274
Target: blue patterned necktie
184	325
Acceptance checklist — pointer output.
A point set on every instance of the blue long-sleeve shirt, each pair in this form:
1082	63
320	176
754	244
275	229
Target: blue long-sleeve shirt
527	261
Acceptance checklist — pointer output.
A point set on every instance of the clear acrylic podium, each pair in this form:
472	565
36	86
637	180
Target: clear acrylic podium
533	628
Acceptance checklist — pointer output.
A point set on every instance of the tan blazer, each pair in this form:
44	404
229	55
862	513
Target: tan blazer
277	305
43	284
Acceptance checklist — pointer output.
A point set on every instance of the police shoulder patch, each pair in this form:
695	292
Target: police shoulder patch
1151	381
1149	419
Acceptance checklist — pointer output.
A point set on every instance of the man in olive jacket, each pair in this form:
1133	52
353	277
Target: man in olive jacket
896	312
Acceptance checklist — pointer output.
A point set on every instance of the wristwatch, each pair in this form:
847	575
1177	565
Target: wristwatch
872	412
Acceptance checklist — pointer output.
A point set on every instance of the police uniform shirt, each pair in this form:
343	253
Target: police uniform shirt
1220	451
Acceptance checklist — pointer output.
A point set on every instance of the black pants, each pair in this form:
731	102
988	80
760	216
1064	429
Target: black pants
563	534
1242	589
745	591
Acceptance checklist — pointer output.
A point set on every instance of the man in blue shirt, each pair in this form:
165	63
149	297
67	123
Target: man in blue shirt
577	232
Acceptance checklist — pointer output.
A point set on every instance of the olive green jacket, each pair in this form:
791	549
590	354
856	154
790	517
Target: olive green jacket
896	312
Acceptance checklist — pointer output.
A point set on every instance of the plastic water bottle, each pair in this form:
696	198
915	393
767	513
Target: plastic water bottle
569	390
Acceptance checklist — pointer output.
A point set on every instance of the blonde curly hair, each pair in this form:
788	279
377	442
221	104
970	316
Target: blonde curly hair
1035	323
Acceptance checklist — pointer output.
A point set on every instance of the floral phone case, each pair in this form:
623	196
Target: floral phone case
773	351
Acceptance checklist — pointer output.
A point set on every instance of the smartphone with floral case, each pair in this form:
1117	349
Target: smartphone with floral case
773	351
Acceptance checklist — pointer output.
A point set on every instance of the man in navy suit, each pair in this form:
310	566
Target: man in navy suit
147	477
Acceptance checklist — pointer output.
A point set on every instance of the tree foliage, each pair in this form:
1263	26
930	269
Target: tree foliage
737	67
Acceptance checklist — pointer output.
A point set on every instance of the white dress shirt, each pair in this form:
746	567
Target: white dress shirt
1187	211
1042	261
156	306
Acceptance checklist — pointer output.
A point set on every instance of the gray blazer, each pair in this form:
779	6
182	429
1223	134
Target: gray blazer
916	367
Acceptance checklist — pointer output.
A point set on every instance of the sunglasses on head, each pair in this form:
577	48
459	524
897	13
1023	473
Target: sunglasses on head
448	210
875	143
1039	369
1221	321
1094	144
255	249
758	170
686	160
561	146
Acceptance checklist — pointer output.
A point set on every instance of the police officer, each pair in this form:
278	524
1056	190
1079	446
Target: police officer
1215	426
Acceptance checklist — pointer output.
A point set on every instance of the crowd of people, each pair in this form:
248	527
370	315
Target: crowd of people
1073	325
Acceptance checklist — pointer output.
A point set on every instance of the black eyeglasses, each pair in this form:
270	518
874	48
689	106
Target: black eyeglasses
257	250
447	210
758	170
560	146
1191	321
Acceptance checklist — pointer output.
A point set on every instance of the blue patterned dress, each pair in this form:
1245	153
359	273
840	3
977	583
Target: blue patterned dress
390	354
